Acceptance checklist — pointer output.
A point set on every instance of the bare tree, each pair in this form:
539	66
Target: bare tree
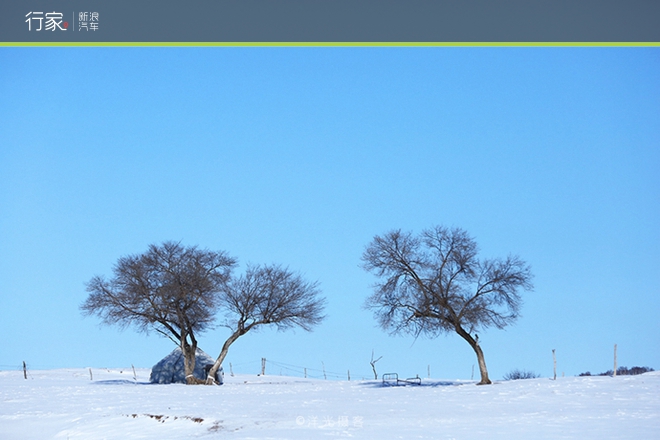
172	289
373	364
268	295
434	283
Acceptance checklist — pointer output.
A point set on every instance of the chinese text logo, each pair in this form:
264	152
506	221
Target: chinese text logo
51	21
54	21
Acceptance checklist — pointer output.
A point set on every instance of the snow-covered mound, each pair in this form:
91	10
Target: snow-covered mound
118	404
170	369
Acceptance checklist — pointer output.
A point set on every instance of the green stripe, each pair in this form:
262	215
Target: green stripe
327	44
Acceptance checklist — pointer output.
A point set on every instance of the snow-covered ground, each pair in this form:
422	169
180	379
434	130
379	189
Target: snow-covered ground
66	404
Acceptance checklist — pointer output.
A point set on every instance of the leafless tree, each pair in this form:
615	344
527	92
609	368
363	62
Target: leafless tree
434	283
373	364
268	295
172	289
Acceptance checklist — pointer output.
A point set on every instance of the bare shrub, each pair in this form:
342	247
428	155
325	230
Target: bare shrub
520	374
621	371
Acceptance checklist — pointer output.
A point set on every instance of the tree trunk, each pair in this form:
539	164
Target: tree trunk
480	354
189	352
189	360
210	379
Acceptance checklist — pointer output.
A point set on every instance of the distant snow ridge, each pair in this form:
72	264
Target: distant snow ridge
170	369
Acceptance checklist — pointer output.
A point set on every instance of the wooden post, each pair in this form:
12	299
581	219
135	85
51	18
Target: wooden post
90	375
263	366
554	363
614	373
134	375
231	371
24	370
349	375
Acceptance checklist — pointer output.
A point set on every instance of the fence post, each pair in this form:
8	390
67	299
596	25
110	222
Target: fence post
349	375
554	363
24	370
263	366
231	371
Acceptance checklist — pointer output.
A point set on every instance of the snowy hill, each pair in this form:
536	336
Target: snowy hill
66	404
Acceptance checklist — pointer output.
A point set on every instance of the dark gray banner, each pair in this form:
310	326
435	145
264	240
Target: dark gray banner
342	21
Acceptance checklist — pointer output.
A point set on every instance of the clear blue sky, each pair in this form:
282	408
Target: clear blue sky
299	156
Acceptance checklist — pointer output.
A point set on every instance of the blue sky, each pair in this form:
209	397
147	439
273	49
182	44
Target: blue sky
299	156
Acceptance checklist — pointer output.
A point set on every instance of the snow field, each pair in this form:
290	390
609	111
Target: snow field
66	404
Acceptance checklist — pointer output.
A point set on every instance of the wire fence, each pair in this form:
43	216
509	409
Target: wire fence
264	366
10	367
286	369
31	366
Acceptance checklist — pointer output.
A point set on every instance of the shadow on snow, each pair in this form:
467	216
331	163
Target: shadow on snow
121	382
424	383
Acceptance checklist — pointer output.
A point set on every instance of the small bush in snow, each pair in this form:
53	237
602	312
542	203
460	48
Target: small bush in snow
634	370
520	374
622	371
